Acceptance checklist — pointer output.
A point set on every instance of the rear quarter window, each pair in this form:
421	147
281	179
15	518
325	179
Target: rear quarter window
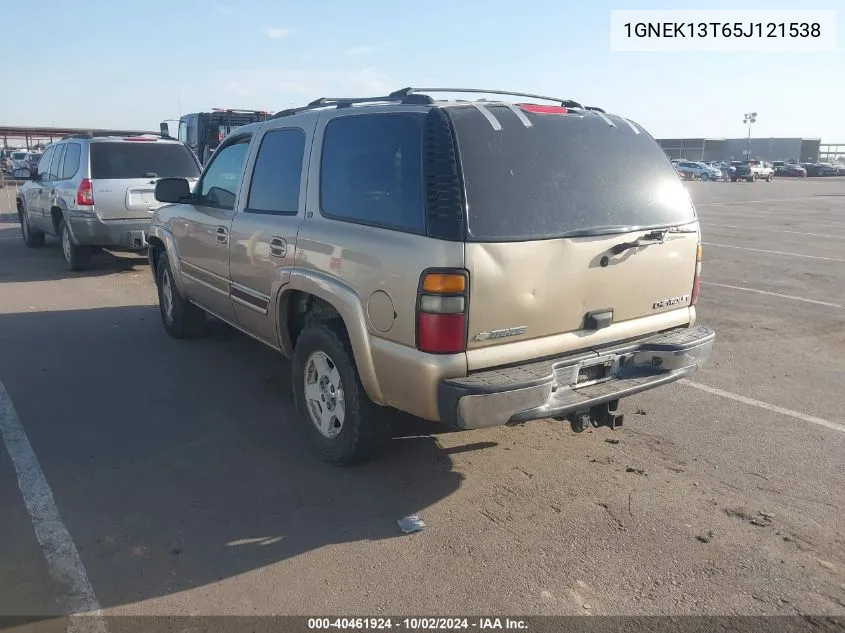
371	171
141	159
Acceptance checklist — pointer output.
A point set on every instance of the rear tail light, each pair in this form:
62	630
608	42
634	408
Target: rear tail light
85	194
442	312
696	284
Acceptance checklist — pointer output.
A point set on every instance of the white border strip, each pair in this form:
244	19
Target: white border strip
59	550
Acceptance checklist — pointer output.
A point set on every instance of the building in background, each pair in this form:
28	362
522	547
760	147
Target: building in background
802	150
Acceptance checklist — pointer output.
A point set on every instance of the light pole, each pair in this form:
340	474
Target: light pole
750	117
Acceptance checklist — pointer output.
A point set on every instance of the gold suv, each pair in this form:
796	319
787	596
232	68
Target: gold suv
472	262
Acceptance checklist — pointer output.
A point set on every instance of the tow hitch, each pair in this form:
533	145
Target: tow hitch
606	414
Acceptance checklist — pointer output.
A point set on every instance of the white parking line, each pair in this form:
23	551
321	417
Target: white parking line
760	250
730	203
58	547
758	218
774	294
765	405
760	228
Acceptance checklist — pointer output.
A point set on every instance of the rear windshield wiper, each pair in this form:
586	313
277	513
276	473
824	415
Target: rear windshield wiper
652	237
594	231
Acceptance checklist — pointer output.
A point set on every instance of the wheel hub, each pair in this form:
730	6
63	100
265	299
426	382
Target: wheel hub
324	394
66	244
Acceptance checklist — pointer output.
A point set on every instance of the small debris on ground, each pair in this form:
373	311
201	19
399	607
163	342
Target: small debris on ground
705	539
640	411
412	523
612	440
639	471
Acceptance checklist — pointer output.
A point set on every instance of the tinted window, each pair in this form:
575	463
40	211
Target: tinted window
44	163
71	164
141	159
56	163
221	180
278	172
566	172
372	171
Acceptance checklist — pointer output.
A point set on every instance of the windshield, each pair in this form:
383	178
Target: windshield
141	159
18	155
564	173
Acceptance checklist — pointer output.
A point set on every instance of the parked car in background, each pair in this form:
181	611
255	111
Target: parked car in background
99	192
295	220
831	169
752	170
701	171
19	159
790	170
820	169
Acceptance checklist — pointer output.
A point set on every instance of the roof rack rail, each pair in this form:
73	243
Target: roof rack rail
406	92
106	133
416	96
345	102
595	109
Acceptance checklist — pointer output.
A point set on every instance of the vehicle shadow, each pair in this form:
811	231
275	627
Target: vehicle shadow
177	464
46	263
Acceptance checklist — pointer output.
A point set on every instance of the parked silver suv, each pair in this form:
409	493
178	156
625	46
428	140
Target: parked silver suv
99	192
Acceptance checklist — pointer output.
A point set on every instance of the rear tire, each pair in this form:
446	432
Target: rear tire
769	178
181	319
76	256
32	238
342	423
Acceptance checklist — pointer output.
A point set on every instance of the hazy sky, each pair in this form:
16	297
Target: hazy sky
104	63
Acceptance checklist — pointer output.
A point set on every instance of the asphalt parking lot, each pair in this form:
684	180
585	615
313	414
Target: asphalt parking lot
183	487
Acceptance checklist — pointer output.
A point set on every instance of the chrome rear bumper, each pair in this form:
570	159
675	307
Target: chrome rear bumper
571	384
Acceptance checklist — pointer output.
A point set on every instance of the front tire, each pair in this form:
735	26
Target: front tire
342	423
76	256
769	178
705	176
32	238
181	319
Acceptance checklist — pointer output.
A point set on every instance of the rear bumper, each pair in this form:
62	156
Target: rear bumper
128	234
552	388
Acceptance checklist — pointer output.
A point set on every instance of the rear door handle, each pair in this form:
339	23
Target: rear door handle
278	247
222	235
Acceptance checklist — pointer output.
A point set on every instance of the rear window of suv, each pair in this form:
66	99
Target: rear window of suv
141	159
564	173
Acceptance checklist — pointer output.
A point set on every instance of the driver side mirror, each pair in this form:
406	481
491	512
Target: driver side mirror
22	173
172	190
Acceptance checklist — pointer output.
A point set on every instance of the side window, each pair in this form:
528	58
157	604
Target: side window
371	171
44	163
183	131
219	186
277	173
71	164
56	164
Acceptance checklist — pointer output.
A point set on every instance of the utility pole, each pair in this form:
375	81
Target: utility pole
750	117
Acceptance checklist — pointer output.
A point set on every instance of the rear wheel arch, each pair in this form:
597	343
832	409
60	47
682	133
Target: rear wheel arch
306	302
156	248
